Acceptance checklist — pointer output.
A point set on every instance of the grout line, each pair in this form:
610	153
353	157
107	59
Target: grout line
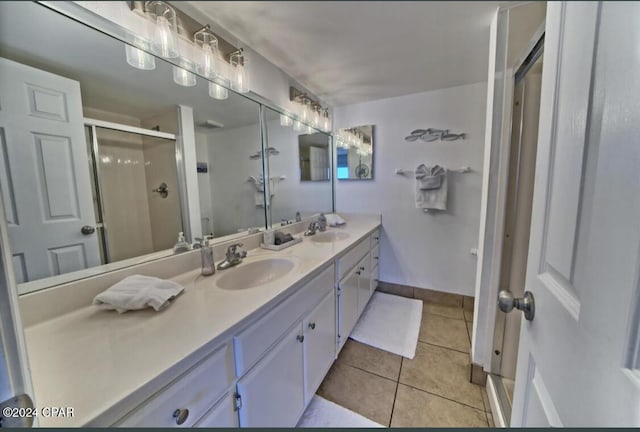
395	396
369	372
443	347
444	397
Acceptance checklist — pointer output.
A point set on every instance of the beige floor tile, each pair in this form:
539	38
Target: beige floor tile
414	408
443	310
485	399
469	329
445	332
468	315
359	391
443	372
371	359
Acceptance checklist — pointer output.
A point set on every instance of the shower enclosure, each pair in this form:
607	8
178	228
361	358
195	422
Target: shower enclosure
135	189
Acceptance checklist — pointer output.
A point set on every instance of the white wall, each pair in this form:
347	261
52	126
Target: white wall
425	250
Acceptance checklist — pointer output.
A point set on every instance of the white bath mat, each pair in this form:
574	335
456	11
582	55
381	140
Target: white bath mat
322	413
390	323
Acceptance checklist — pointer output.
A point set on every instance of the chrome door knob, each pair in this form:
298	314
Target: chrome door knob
527	304
87	230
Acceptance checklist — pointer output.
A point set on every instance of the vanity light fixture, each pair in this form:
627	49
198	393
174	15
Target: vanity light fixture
298	126
163	29
218	92
285	120
326	121
239	78
206	52
183	77
138	58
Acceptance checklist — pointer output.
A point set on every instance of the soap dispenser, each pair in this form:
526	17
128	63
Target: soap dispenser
206	257
181	245
322	222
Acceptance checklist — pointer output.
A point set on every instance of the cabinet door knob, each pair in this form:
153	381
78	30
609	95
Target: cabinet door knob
376	258
300	338
181	415
312	325
376	238
362	268
358	273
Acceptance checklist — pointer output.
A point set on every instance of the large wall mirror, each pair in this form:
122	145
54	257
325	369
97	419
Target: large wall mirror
354	153
92	151
288	155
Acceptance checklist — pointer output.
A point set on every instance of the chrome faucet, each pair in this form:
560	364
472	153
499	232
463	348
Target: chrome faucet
233	258
313	227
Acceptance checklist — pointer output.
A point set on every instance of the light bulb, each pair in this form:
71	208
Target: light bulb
183	77
163	40
139	59
216	91
285	120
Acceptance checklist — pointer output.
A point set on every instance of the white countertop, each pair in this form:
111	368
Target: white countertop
93	360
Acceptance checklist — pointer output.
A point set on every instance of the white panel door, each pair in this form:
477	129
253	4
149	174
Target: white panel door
319	344
579	359
273	391
44	175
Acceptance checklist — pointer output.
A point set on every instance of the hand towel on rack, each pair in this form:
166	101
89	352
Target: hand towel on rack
138	292
431	187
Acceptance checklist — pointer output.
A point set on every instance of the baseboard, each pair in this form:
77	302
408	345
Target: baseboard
425	294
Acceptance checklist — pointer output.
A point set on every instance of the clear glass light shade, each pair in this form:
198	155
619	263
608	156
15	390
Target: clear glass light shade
285	120
163	29
305	113
239	79
310	130
298	126
139	59
216	91
183	77
326	123
206	53
315	119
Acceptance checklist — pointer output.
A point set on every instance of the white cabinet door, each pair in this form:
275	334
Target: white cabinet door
221	415
272	393
319	344
374	279
579	359
44	178
364	285
347	305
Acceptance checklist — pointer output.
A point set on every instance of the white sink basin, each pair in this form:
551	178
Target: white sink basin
255	273
329	236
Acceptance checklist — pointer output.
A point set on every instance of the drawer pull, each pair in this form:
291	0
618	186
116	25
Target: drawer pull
362	268
358	273
376	258
300	338
312	325
181	415
376	238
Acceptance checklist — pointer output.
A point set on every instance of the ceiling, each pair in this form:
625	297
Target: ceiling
354	51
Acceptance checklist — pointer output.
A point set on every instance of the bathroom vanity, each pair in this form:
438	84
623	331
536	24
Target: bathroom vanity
250	354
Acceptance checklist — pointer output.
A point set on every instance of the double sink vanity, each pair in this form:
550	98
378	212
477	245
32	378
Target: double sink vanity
247	346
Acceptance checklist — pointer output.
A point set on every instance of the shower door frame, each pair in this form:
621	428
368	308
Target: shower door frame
494	380
93	125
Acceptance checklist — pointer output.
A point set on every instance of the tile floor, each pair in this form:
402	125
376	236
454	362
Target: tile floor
432	390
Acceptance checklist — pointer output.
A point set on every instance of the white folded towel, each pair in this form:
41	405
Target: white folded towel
428	198
334	219
138	292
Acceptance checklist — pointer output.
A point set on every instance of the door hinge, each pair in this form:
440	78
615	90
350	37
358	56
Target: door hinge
237	402
17	412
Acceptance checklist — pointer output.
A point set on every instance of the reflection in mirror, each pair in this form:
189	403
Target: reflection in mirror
315	157
354	153
290	192
229	173
93	151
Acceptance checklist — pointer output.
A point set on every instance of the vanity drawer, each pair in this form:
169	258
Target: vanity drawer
351	258
193	392
253	342
375	238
